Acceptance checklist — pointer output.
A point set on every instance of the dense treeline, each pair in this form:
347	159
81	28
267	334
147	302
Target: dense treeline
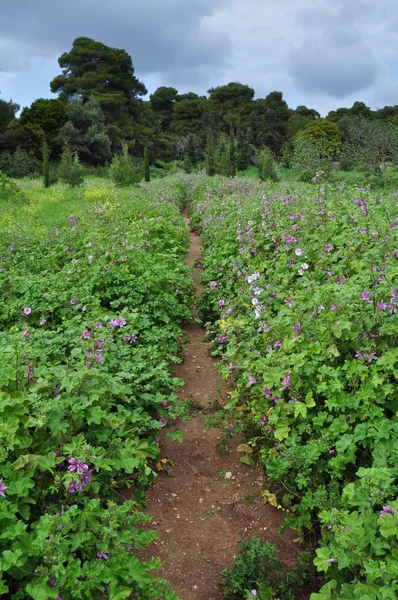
100	107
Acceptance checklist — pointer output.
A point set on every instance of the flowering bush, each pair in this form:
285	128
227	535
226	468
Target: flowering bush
90	319
302	302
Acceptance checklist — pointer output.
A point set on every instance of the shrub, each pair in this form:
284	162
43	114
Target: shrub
123	171
9	191
18	164
266	166
70	170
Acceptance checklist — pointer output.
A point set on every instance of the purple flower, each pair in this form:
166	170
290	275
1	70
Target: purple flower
27	311
254	592
86	334
382	305
252	380
330	560
25	333
387	510
43	321
286	382
72	219
52	582
229	311
84	308
328	247
332	451
98	325
2	488
298	252
278	344
297	327
213	284
163	422
103	555
73	301
366	297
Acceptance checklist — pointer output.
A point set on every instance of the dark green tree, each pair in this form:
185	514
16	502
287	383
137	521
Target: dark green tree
162	103
84	132
123	171
228	105
210	152
147	176
46	165
244	150
93	70
266	166
8	110
70	170
47	115
269	117
231	154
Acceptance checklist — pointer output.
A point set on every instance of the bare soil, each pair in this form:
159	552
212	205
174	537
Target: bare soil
198	513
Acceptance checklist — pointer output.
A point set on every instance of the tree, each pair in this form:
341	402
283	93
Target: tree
8	110
162	103
370	143
123	170
188	115
46	165
93	70
47	115
268	118
231	154
228	105
147	176
210	153
245	150
266	166
84	132
70	170
317	146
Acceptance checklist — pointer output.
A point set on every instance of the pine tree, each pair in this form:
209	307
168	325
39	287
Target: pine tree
70	170
266	166
46	166
147	175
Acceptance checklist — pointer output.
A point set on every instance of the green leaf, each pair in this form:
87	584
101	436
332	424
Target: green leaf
282	429
25	461
300	409
388	525
321	560
175	436
325	593
40	591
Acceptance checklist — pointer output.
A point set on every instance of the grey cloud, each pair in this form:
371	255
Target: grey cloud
160	35
338	64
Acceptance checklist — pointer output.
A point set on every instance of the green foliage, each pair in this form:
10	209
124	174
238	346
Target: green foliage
147	176
267	169
49	116
231	161
210	153
317	146
90	320
123	170
70	170
305	303
258	572
84	132
18	164
46	166
370	144
9	191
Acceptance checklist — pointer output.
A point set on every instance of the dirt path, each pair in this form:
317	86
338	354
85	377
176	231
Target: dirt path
198	514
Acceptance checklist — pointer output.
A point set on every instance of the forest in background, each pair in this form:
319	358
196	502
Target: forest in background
100	107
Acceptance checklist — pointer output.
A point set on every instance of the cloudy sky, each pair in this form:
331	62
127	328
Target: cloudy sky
319	53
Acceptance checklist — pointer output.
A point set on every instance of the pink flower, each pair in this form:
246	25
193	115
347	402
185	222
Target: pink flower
27	311
328	247
333	307
382	305
43	321
86	334
366	297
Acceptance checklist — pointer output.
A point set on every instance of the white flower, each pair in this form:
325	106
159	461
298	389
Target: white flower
301	272
305	266
298	252
253	277
255	301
